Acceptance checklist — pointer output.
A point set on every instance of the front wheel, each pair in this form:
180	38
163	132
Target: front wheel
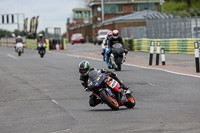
19	53
109	100
41	52
118	62
131	101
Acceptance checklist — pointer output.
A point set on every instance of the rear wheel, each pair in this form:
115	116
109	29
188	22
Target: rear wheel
109	100
131	101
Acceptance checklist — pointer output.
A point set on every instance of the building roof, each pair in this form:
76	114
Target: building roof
98	2
130	17
81	9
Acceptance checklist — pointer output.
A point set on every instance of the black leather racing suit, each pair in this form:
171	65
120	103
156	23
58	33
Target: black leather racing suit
113	41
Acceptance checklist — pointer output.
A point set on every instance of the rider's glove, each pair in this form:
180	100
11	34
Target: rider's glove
125	51
86	89
103	70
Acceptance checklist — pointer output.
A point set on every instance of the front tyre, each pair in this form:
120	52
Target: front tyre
110	101
41	52
19	53
118	62
131	101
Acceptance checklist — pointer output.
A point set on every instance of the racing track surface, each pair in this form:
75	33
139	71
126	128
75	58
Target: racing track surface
45	96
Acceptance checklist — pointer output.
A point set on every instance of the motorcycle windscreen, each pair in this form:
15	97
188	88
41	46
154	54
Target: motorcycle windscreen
95	79
118	49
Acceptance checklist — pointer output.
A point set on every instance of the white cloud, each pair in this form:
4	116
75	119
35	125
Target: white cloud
52	13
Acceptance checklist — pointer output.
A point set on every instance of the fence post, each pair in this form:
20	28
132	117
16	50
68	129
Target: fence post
196	52
157	53
151	53
163	56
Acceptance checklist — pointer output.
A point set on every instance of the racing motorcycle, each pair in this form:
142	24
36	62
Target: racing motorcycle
108	91
19	48
117	57
41	49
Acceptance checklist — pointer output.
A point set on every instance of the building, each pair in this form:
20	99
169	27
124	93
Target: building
136	19
114	11
114	8
81	15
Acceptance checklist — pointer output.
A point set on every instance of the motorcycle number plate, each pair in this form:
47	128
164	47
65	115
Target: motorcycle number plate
113	84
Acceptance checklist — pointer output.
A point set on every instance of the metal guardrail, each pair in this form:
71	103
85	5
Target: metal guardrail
176	25
165	26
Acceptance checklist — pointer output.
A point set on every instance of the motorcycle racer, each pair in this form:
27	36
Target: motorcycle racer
115	39
84	69
106	49
41	39
109	35
19	40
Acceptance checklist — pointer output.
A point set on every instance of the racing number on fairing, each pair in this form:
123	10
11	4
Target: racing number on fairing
113	84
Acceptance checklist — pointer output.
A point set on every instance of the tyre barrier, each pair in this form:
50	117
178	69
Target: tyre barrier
179	45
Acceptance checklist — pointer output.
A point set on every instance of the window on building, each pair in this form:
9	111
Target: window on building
78	14
86	14
110	8
135	7
119	8
95	11
150	6
143	6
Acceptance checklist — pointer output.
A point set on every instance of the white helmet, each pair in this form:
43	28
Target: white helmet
40	35
19	37
115	34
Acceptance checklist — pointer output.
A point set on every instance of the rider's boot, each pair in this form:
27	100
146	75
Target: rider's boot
125	87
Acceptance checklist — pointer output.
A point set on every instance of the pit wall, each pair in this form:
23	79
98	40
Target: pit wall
182	46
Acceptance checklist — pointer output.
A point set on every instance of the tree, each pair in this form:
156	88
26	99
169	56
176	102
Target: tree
42	32
4	33
17	32
64	35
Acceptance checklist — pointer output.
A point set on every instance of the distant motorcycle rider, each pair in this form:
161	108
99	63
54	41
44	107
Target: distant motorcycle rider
109	35
84	69
40	39
19	40
115	39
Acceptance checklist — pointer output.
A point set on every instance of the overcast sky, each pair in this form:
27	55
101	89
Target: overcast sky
52	13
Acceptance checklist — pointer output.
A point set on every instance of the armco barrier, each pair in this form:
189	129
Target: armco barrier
178	45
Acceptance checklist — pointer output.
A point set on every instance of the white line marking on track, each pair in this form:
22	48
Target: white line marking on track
55	101
150	84
177	73
60	131
11	56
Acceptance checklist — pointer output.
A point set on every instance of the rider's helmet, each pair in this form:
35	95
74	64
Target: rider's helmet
84	67
19	37
40	35
109	34
115	34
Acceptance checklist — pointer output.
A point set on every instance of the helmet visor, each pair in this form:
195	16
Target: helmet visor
83	71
